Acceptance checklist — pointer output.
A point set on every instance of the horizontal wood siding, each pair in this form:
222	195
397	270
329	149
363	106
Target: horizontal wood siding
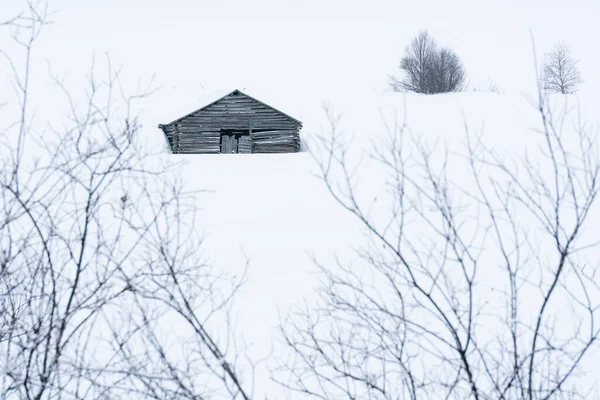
194	142
200	132
276	141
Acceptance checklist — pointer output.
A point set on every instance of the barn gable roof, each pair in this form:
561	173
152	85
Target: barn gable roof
234	92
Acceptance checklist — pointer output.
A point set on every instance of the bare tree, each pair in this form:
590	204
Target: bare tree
428	69
469	288
561	73
99	255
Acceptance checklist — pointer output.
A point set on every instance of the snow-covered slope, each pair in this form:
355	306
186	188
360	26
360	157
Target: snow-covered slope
275	211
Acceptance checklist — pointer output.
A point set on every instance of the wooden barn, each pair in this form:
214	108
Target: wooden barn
235	123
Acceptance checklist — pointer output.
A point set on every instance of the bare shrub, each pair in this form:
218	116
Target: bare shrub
428	69
463	289
104	292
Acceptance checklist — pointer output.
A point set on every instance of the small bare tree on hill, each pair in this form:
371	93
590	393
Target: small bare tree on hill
428	69
561	72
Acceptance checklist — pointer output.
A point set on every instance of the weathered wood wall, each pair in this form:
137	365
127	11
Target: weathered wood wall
276	141
200	141
200	132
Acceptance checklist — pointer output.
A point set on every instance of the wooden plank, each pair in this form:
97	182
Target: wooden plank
236	117
200	144
195	129
224	144
195	133
215	124
236	113
247	107
273	131
242	125
200	151
175	143
226	125
282	133
245	145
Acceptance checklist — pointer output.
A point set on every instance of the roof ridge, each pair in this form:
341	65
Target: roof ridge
160	126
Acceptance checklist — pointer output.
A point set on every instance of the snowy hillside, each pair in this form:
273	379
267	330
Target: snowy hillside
439	246
274	210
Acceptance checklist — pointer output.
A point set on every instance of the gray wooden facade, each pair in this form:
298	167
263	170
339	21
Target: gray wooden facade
235	123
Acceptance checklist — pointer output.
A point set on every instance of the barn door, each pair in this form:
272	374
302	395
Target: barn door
229	144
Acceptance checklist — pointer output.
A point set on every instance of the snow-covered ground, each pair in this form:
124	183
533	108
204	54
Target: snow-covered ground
275	211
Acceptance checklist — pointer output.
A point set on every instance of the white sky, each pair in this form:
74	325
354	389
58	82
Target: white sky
309	46
312	44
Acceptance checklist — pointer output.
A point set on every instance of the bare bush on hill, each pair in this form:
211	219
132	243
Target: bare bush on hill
428	69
